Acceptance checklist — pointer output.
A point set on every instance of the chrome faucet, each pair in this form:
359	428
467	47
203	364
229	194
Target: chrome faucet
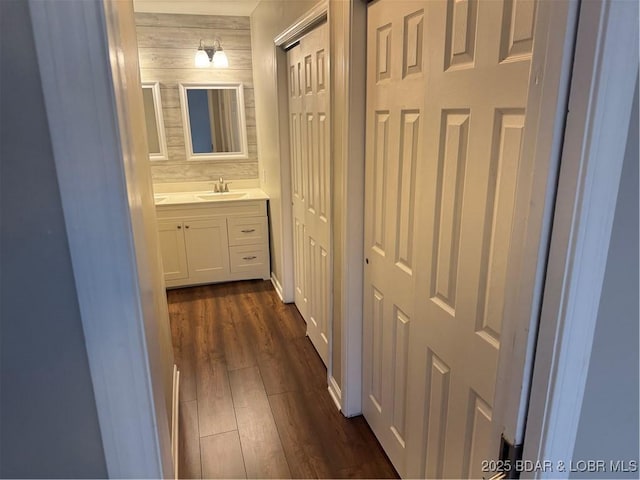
221	186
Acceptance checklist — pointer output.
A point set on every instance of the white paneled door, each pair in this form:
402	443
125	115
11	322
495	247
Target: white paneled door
447	85
309	133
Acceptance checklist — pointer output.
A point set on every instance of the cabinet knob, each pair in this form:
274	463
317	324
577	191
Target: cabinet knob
186	226
252	257
248	231
179	227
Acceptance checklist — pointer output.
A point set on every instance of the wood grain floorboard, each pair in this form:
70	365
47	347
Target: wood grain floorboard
188	441
306	456
222	456
294	367
238	348
183	346
263	453
373	469
261	390
215	405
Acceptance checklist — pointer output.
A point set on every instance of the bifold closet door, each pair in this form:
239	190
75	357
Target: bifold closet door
311	186
447	85
394	145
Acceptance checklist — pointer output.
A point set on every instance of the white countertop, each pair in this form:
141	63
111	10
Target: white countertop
207	196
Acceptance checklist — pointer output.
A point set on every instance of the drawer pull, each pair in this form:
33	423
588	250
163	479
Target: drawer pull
179	227
248	231
250	257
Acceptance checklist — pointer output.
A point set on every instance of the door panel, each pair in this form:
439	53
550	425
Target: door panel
172	249
207	249
395	103
299	169
474	116
447	85
309	129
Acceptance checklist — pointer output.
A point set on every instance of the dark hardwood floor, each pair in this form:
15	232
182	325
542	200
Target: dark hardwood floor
253	394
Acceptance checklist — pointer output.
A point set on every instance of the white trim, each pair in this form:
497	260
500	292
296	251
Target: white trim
280	73
157	105
604	77
175	420
184	109
302	25
277	287
334	391
104	205
350	81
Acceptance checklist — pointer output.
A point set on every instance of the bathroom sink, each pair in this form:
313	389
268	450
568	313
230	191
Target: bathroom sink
217	197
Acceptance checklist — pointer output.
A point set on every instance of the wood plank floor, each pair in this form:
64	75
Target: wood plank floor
253	393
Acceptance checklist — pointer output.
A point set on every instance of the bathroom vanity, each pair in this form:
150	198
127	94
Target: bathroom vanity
208	237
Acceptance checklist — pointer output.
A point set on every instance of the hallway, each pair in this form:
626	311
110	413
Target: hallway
253	395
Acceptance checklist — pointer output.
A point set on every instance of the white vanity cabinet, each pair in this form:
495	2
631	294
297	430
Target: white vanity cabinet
213	242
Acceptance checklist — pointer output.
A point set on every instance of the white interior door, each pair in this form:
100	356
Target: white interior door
395	103
311	187
447	85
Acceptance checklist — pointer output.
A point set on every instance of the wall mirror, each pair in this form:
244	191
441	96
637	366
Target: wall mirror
214	121
153	119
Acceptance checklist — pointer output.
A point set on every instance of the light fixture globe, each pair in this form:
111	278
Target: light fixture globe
220	59
201	59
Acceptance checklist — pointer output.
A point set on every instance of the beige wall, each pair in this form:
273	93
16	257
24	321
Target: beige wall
167	44
269	19
347	26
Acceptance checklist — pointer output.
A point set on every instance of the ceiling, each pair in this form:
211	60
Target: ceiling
198	7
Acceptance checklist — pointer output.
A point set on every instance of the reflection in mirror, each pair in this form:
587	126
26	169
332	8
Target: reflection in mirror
213	116
153	120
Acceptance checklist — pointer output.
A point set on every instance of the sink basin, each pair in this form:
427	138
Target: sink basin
218	197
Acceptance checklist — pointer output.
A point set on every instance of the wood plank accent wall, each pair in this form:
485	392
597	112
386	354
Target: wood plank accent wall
167	44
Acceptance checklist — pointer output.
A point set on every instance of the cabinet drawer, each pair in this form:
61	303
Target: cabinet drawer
249	258
247	231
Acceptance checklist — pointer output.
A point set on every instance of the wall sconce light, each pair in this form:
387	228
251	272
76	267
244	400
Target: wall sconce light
214	55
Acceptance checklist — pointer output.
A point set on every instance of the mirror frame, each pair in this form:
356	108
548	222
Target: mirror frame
238	88
157	105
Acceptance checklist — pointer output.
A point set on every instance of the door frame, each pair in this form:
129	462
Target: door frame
605	75
288	37
347	33
285	285
107	200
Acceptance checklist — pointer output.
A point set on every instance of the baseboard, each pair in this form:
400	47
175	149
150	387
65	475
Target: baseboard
335	392
175	419
277	286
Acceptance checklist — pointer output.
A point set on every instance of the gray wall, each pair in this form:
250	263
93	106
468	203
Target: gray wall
48	420
609	420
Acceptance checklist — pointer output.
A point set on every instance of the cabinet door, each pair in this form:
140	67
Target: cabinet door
207	250
172	248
